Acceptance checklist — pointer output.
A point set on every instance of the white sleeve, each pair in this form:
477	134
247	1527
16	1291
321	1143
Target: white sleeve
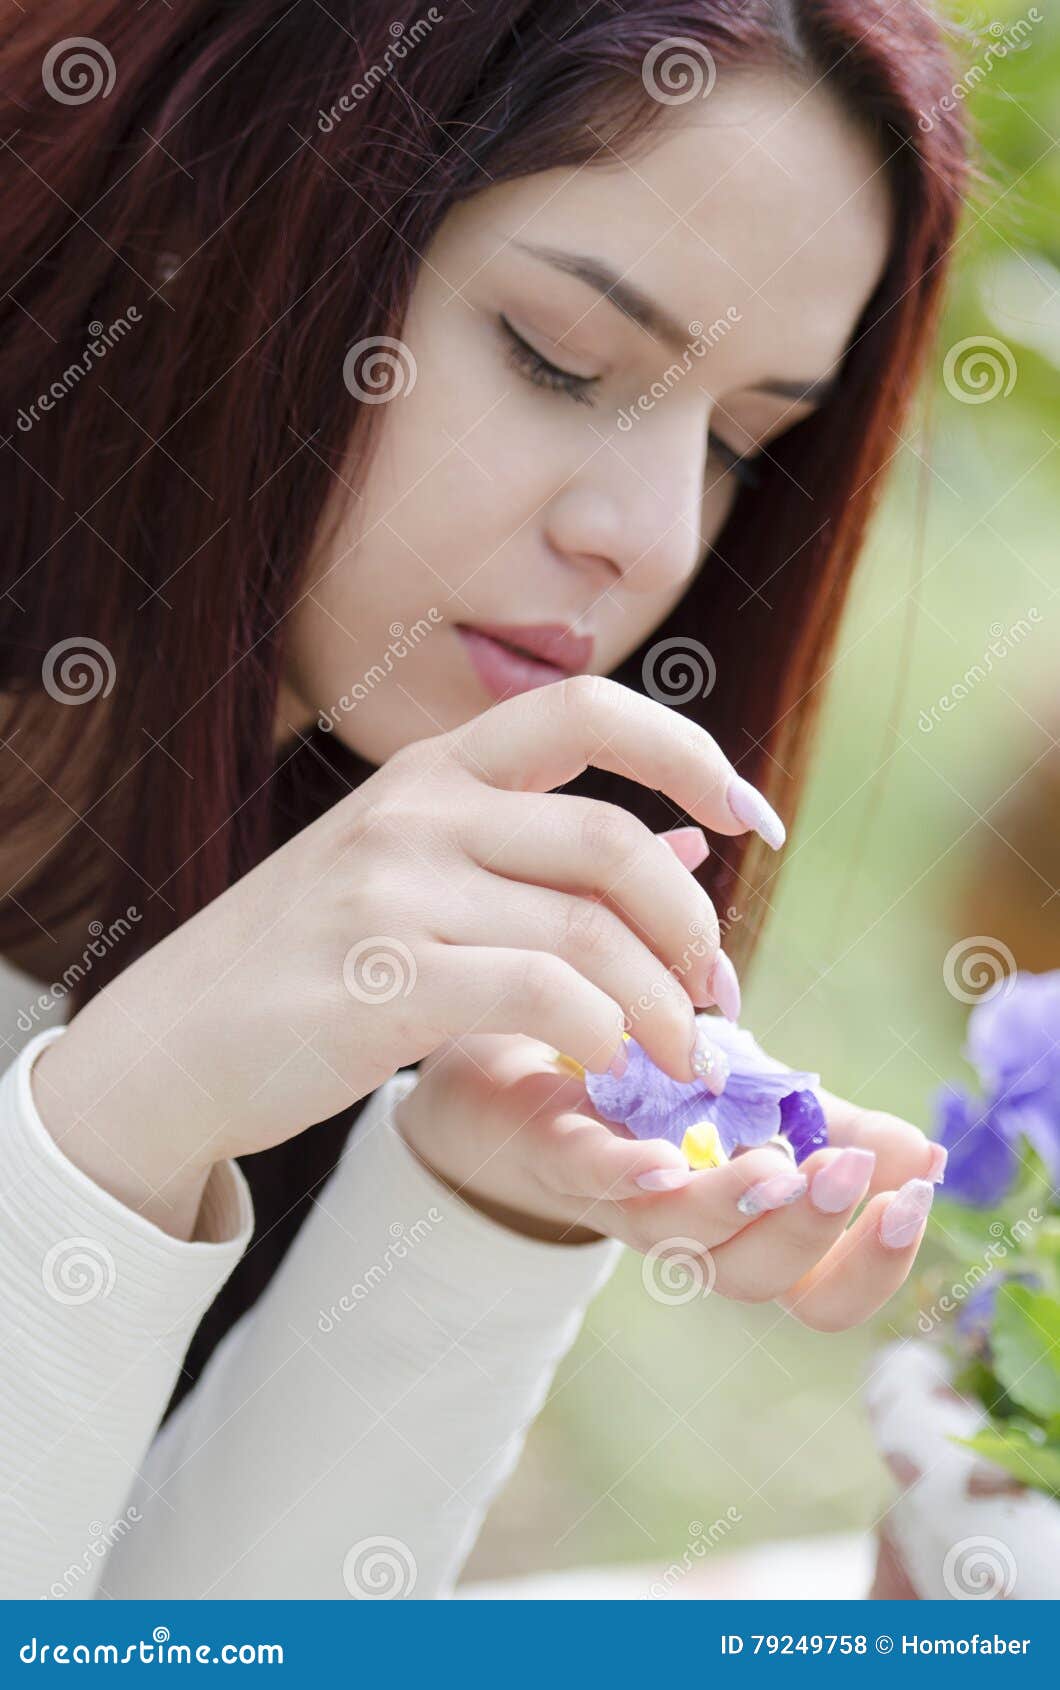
97	1309
349	1432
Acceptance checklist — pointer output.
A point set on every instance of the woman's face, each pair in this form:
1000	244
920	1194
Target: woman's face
756	228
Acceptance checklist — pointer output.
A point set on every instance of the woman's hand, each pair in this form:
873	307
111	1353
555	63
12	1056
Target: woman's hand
495	1119
453	890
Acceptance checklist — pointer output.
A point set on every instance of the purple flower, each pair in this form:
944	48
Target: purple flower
1014	1043
761	1097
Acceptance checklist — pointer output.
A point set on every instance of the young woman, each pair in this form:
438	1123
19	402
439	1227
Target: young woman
397	417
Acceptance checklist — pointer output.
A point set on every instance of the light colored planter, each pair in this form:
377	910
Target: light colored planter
960	1527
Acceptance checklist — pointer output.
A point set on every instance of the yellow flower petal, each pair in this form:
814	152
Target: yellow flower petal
701	1146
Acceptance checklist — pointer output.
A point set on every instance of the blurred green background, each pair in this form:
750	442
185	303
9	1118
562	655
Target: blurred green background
912	840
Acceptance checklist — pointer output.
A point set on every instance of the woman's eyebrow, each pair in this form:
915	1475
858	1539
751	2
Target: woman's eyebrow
650	316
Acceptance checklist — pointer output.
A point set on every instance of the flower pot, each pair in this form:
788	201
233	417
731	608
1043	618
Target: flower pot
960	1527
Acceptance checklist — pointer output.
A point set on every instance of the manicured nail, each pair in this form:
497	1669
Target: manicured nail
724	987
842	1181
620	1061
748	806
688	844
771	1193
664	1179
709	1062
906	1213
937	1166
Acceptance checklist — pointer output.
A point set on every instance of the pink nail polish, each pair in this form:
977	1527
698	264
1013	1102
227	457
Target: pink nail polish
709	1062
724	987
619	1062
937	1166
906	1213
688	844
841	1182
771	1193
664	1179
748	806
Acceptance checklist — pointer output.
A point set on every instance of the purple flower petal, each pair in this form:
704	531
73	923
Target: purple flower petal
802	1120
982	1163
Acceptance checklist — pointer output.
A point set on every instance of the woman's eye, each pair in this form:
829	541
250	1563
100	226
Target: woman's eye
530	364
745	470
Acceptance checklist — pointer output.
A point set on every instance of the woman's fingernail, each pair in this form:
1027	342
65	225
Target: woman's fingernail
619	1062
937	1166
906	1213
771	1193
724	987
664	1179
709	1062
688	844
748	806
842	1181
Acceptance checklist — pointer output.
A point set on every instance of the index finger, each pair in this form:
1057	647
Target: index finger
542	739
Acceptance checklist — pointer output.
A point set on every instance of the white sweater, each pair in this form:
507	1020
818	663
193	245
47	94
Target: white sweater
346	1436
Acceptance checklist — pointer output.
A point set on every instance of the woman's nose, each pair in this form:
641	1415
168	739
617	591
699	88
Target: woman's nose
637	512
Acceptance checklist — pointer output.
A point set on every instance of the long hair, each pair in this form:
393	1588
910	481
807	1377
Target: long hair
219	200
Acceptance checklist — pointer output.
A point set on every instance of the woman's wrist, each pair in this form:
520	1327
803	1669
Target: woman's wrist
543	1224
143	1175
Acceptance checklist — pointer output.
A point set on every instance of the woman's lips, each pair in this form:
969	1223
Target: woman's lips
503	671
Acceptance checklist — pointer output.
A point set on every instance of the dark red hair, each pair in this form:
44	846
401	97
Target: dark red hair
165	505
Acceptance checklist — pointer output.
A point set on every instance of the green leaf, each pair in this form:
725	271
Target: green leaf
1037	1465
1025	1341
